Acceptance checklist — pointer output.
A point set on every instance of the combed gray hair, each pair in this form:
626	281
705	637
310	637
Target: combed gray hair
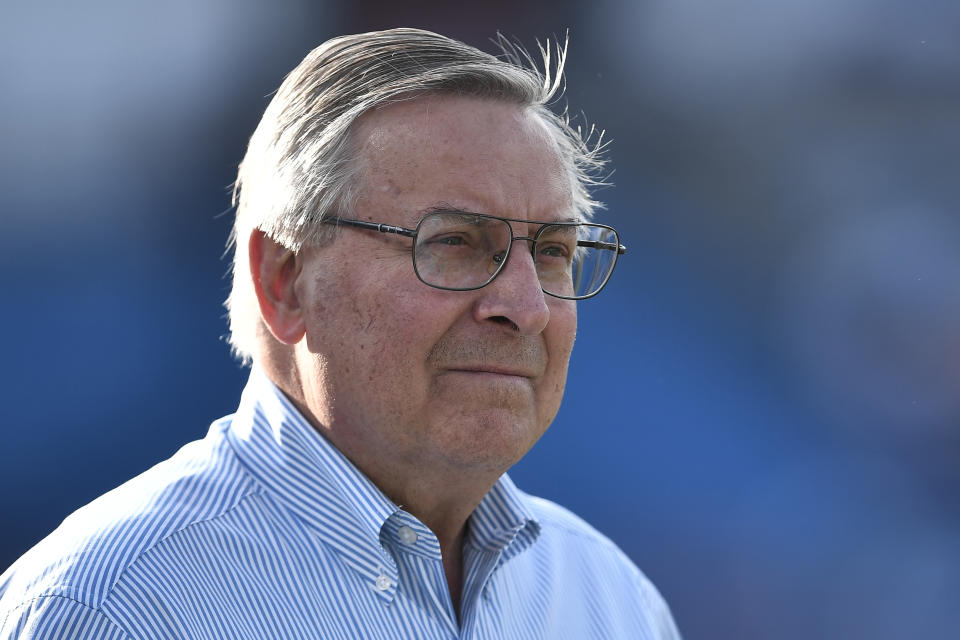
299	166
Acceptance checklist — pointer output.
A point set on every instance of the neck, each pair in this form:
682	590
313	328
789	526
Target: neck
453	568
444	503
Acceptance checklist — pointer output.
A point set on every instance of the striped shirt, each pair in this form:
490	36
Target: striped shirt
263	529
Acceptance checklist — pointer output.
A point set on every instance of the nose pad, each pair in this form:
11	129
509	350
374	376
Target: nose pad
496	262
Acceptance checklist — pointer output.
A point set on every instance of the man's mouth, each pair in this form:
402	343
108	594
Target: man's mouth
494	370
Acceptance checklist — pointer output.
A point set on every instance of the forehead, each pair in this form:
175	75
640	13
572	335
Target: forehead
474	154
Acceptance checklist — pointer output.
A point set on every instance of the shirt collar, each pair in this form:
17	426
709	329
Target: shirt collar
503	521
308	476
304	472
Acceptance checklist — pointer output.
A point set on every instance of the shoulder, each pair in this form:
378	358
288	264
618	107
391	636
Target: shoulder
49	617
562	528
588	562
85	557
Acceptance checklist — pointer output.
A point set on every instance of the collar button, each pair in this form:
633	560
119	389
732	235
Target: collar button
407	535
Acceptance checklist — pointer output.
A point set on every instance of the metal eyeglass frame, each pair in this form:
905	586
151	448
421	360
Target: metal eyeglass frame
412	233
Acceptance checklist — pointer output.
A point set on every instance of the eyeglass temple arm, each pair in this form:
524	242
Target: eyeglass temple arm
619	248
375	226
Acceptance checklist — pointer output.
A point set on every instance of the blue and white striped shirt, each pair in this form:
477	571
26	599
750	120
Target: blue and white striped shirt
265	530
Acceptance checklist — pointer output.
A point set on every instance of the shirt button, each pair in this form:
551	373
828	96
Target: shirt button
407	535
383	583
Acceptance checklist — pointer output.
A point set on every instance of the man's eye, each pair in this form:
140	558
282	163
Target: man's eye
449	240
554	251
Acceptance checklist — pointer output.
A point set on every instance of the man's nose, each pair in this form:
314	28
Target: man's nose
515	295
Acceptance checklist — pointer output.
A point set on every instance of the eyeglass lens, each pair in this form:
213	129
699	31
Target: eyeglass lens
464	251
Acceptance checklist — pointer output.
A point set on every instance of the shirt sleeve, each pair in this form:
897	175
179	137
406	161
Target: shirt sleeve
57	617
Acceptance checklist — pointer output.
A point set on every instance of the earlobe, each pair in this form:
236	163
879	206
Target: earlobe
274	270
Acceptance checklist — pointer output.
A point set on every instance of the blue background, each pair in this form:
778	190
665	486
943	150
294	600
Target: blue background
763	408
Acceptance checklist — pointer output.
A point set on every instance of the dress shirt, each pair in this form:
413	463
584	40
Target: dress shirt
263	529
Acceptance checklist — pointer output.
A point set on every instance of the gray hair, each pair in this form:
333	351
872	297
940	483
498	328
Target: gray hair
299	166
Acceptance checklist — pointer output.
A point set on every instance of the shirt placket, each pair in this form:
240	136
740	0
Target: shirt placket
421	574
479	565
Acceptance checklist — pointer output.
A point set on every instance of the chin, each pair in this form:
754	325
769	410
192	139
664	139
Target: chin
491	441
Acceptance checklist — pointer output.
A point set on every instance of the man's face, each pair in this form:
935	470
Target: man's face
402	375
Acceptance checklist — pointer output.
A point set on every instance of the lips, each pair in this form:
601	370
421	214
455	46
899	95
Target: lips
494	370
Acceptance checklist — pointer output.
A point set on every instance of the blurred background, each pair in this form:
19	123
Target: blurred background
763	407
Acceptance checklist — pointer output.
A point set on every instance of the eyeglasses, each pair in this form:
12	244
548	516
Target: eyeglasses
462	251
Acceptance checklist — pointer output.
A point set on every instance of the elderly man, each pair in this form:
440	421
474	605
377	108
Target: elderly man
411	239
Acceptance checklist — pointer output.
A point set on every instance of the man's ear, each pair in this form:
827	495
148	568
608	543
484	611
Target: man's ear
274	270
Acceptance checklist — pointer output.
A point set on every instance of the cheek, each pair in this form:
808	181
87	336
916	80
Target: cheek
562	331
390	331
340	313
560	335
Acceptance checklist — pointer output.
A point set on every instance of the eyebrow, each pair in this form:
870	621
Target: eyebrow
444	207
